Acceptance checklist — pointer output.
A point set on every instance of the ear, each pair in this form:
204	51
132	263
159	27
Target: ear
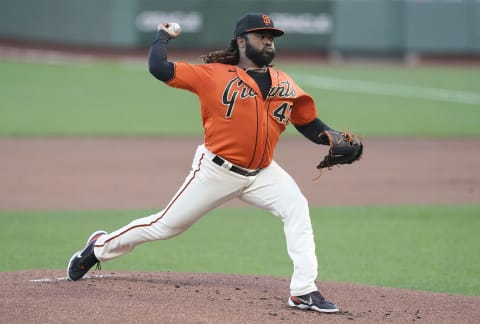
241	42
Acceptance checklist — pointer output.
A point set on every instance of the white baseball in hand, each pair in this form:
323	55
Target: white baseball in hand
173	29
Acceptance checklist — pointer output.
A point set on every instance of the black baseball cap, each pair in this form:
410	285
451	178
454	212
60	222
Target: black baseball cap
255	22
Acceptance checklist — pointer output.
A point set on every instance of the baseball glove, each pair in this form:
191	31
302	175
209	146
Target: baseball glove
345	148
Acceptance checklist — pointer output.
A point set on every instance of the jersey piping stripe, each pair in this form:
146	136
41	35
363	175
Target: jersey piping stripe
267	112
249	166
165	210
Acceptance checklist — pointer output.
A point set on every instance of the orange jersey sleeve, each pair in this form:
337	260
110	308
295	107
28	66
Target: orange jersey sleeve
239	124
303	109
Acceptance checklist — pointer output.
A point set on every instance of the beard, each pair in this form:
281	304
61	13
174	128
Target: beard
259	57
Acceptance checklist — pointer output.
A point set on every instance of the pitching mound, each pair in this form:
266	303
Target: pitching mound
124	297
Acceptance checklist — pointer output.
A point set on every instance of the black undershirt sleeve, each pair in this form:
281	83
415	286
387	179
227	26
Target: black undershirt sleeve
158	65
312	131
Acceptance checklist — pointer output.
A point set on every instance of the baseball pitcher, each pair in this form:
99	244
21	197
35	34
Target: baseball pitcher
245	105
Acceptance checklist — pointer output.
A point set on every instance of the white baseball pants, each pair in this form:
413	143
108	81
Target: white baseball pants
206	187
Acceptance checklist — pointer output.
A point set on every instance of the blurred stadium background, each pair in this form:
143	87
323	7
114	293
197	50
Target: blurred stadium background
406	30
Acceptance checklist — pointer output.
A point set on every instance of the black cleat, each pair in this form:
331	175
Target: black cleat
314	301
83	260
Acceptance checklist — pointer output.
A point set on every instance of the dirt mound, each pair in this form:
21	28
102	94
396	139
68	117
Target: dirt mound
124	297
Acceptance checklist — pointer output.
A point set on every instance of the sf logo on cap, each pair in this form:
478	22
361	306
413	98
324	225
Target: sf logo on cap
266	20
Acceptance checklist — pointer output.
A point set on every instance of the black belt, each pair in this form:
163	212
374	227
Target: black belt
218	160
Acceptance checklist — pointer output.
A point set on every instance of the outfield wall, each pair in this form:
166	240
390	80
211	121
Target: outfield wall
339	26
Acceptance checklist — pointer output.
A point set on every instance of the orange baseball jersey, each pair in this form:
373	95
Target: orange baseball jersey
239	125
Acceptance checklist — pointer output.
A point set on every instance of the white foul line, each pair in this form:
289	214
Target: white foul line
390	89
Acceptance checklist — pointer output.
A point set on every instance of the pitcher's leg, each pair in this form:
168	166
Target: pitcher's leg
276	191
206	187
128	237
301	247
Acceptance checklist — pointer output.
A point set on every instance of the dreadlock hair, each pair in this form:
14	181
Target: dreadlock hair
230	55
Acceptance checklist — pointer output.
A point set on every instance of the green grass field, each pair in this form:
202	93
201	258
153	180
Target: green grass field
431	248
121	99
427	248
